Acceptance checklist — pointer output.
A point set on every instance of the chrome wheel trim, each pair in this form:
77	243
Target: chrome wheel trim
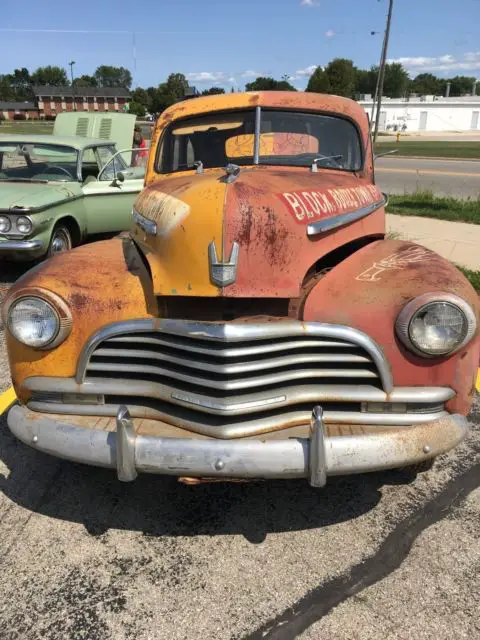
60	242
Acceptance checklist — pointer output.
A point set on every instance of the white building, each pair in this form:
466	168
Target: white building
427	113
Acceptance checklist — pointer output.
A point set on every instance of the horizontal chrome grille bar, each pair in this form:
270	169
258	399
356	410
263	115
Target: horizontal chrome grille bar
231	367
238	404
232	385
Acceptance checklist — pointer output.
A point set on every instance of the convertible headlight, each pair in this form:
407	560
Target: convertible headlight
38	319
436	324
5	224
24	224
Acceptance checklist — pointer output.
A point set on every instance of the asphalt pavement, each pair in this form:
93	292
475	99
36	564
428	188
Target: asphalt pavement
383	555
456	178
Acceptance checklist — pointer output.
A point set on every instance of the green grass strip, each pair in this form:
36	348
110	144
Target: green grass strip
472	276
425	204
431	148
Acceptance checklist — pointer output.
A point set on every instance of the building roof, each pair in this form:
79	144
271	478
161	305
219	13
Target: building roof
87	92
5	105
65	141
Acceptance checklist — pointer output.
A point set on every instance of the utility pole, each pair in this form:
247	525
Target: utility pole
381	72
71	63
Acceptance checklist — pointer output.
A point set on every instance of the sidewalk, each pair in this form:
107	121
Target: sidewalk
456	241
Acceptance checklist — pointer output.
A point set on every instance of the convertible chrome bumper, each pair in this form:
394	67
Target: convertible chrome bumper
314	458
21	245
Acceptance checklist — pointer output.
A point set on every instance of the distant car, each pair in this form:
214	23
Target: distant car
55	191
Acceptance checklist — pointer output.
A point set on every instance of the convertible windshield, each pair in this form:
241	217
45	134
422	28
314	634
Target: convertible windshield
289	138
31	161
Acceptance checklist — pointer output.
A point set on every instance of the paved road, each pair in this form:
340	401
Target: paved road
457	178
83	556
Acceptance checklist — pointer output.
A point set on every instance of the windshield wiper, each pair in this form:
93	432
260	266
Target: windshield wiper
198	165
322	159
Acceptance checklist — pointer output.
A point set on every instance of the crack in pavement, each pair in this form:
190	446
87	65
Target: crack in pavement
392	552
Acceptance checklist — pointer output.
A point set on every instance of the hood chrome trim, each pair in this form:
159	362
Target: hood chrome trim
329	224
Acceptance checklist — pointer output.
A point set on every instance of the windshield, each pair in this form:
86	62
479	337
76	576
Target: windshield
289	138
31	161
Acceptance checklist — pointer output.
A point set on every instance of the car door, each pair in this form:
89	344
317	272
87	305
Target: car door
109	197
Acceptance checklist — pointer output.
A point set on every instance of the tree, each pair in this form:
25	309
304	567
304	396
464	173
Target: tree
269	84
21	84
6	90
52	76
136	108
396	80
107	76
461	85
213	91
319	82
85	81
426	84
366	80
341	77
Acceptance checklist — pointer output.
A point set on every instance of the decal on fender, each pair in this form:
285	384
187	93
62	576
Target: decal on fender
398	260
306	206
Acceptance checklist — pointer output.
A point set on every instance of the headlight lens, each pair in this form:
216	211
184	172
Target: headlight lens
33	322
432	327
437	328
24	225
5	224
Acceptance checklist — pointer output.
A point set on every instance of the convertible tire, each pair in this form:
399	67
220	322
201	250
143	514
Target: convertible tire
60	241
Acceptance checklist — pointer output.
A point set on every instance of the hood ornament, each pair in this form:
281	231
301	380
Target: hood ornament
223	273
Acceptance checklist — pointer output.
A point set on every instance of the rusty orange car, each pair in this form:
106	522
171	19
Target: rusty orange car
256	322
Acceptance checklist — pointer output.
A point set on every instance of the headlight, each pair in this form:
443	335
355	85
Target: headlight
5	224
33	322
436	324
24	225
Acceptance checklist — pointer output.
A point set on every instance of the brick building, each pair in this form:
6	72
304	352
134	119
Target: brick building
53	100
24	110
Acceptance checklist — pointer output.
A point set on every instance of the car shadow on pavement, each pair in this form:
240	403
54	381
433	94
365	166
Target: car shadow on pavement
161	506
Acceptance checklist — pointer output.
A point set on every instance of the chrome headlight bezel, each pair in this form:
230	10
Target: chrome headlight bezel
8	226
30	223
58	306
418	305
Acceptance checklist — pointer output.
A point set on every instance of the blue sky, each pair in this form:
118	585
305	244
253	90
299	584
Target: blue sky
229	42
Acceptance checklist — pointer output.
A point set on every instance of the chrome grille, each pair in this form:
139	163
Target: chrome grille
229	380
232	367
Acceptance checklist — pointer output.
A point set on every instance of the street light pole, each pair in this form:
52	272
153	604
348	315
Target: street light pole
71	63
381	71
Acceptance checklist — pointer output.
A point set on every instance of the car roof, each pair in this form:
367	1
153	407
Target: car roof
282	100
67	141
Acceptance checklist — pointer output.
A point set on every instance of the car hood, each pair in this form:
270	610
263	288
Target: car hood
258	221
35	196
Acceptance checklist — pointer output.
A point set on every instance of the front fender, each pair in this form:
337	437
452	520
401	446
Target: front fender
101	283
368	290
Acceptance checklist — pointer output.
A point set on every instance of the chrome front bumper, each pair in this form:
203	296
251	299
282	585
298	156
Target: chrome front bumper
21	245
314	458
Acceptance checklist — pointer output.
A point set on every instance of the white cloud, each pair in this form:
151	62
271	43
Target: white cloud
206	76
309	3
330	33
467	62
306	72
251	74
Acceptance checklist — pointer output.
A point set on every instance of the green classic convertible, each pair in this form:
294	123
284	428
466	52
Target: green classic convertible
57	190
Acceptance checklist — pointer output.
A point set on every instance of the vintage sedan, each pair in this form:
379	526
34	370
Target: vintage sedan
257	322
56	191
